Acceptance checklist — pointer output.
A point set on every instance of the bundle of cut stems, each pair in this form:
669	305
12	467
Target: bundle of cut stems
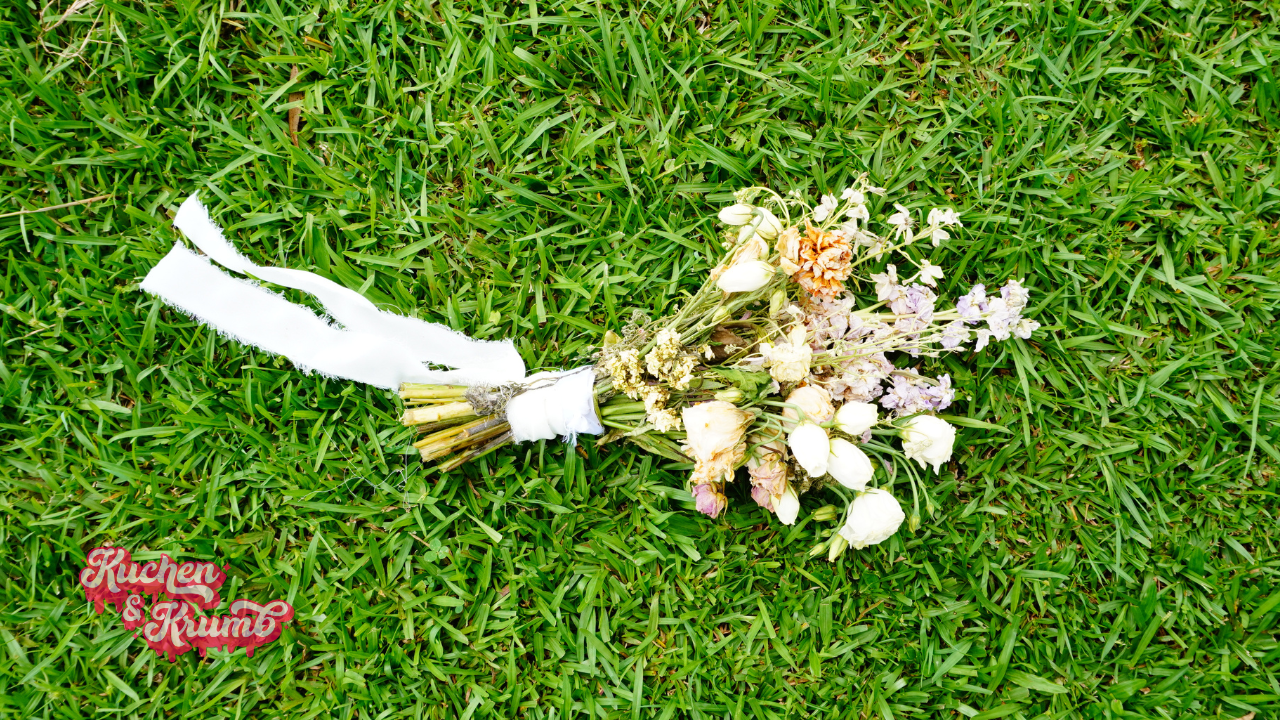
451	431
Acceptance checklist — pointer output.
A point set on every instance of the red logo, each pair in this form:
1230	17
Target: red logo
174	627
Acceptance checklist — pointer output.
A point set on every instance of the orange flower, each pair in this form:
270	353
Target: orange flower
824	262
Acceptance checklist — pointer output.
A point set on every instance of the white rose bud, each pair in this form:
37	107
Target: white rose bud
849	465
837	548
769	226
873	517
855	418
787	506
826	513
731	395
745	277
736	215
928	440
777	301
811	448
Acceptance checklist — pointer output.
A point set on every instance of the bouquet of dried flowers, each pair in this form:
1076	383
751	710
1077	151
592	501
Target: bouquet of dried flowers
791	366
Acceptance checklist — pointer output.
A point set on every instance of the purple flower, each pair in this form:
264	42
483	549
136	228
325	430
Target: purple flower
914	300
954	335
1015	295
940	396
709	500
972	304
910	396
904	397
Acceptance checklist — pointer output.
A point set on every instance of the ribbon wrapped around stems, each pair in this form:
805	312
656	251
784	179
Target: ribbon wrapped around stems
363	344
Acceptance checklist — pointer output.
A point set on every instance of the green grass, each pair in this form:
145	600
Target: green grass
537	171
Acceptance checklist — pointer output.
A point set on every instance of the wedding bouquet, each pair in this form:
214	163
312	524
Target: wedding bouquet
793	360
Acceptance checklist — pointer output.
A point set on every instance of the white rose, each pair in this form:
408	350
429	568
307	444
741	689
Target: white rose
814	401
787	506
769	226
855	418
873	517
849	465
811	448
928	440
736	214
745	276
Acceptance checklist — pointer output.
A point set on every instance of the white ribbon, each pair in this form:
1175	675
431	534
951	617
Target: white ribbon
366	345
560	403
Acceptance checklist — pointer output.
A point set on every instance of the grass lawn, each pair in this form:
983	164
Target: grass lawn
539	170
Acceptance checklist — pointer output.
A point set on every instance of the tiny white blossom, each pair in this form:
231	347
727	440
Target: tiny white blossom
937	235
944	216
984	336
930	274
824	208
901	220
1016	295
1025	327
885	283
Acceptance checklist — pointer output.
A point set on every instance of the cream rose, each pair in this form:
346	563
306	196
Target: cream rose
769	226
745	276
736	215
788	506
814	401
715	439
789	250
